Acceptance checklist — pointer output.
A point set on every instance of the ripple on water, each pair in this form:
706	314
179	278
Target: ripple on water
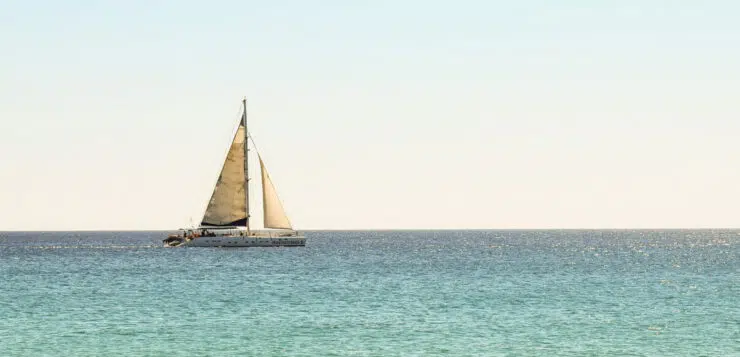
423	293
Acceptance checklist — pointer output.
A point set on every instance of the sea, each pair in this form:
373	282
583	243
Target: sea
374	293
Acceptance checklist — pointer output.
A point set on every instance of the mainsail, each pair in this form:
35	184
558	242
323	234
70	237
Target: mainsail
228	204
274	214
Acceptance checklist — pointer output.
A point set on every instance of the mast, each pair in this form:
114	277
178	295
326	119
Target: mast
246	159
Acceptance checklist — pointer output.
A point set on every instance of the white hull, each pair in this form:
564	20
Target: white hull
226	241
238	238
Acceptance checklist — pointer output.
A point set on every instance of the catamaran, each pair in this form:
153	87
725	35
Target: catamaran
226	221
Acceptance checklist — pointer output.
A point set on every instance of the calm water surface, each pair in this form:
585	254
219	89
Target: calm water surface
374	293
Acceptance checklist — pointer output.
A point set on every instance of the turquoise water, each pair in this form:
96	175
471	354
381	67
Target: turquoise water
374	293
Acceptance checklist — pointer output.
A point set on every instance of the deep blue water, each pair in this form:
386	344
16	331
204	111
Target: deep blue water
374	293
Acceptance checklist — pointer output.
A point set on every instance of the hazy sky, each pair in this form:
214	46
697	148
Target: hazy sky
374	114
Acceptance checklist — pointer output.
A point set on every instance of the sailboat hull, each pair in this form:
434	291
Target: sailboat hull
238	241
236	238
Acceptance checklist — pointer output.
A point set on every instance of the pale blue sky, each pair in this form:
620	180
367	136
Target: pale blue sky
382	114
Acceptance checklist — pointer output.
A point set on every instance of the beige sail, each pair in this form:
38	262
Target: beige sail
228	204
274	214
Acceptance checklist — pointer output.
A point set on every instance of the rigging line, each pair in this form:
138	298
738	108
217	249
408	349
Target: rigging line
254	144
